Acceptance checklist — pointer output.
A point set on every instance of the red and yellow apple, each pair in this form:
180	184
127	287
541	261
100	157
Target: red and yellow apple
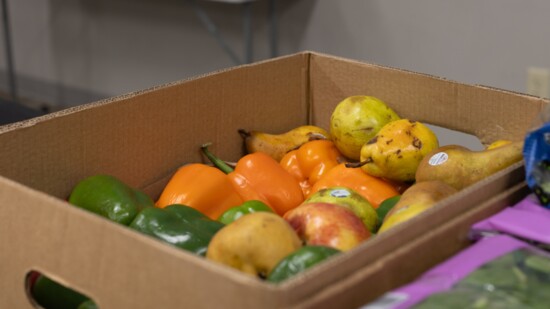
349	198
327	224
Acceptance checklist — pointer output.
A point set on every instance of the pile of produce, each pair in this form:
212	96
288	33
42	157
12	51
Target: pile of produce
507	264
300	197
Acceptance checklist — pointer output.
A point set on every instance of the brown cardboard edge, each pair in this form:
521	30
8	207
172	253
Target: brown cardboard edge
376	65
460	89
153	184
125	96
372	281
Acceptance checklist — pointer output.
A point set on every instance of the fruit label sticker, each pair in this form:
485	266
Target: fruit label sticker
438	158
340	193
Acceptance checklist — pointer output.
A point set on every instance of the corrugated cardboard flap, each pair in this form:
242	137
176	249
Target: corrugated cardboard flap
143	137
101	258
485	112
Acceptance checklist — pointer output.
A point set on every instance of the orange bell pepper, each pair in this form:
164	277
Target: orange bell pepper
374	189
259	176
311	161
202	187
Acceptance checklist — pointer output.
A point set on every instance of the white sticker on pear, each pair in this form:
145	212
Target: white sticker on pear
438	158
340	193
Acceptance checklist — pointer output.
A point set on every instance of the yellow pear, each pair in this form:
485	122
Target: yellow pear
254	243
415	200
460	167
396	150
277	145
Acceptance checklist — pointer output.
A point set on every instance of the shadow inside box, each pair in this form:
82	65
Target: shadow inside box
11	111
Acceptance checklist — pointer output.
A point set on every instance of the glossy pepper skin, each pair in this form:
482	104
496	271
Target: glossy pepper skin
179	225
109	197
374	189
311	161
300	260
246	208
202	187
257	176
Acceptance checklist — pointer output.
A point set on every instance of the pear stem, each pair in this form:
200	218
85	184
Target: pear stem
219	163
314	136
243	133
359	164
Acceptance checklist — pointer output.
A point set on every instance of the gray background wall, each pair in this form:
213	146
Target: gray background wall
69	52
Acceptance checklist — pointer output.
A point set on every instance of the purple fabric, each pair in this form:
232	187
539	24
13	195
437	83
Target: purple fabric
527	220
445	275
530	202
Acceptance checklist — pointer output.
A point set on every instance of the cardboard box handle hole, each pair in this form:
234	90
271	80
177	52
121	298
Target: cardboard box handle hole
45	293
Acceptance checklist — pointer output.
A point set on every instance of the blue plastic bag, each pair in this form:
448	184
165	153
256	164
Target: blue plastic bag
536	154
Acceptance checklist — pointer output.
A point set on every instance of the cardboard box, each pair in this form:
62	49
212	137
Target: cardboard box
143	137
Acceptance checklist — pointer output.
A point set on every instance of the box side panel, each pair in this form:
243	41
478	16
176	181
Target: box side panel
487	113
143	137
112	264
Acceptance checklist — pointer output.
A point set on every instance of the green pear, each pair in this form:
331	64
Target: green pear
350	199
460	167
356	120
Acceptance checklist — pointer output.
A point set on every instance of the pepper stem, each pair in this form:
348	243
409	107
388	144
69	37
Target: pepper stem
219	163
359	164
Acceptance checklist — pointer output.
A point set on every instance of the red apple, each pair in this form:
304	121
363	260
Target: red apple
327	224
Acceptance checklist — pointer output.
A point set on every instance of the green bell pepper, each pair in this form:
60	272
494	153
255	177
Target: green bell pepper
178	225
385	207
245	208
89	304
50	294
300	260
109	197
